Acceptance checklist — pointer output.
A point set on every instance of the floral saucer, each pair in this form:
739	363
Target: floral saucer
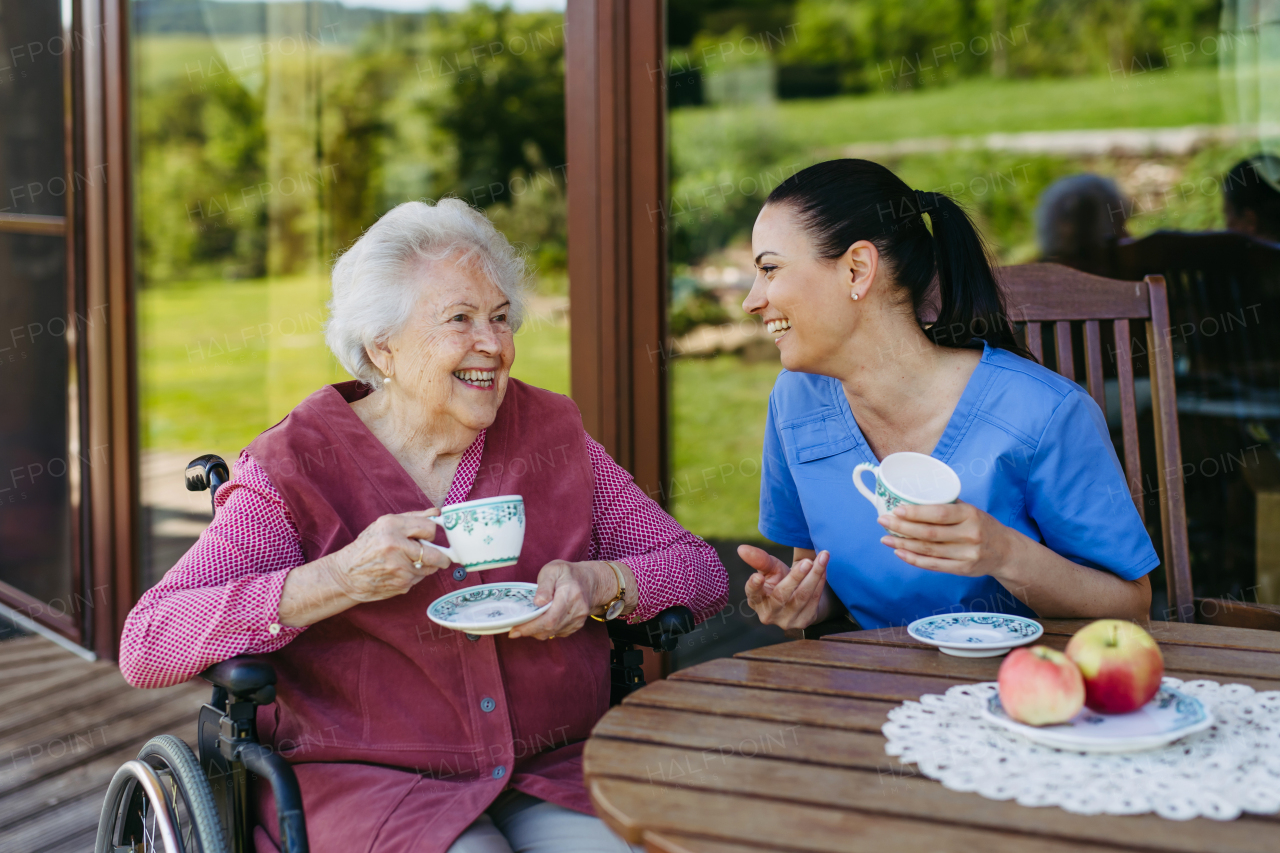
491	608
1170	715
975	635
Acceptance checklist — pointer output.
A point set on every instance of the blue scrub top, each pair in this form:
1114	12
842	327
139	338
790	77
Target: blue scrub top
1031	448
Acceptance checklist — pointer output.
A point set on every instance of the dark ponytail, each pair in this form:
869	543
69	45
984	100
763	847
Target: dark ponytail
840	202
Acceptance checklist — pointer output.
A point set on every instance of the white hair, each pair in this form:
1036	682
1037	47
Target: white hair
374	286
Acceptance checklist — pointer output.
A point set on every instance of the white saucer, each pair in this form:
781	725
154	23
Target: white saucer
491	608
1170	715
975	635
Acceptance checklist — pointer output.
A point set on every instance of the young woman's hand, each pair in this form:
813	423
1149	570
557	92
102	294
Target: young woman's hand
957	538
787	596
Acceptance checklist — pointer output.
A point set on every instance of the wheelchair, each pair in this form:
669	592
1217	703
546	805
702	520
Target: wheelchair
169	800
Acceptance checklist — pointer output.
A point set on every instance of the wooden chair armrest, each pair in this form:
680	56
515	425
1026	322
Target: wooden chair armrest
1238	614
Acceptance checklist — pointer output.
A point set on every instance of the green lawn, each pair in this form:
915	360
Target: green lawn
542	354
717	431
222	361
983	105
718	405
725	159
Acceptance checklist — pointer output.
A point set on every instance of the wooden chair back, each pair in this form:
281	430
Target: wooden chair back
1045	299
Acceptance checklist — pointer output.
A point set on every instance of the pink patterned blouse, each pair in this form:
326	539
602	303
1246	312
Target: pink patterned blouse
222	598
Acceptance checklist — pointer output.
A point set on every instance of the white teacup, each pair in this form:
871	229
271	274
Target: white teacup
483	534
908	478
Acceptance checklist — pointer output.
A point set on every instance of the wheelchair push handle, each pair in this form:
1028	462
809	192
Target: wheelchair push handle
207	472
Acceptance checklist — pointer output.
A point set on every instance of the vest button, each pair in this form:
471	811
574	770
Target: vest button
487	704
472	637
499	772
459	574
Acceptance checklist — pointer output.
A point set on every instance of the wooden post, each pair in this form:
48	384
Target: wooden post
111	469
616	149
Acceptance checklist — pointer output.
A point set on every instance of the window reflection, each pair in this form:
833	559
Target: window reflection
991	104
268	136
37	462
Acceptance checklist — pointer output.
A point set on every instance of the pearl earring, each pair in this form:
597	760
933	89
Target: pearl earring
386	379
855	296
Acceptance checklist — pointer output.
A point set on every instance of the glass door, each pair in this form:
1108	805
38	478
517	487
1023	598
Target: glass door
40	453
267	136
991	103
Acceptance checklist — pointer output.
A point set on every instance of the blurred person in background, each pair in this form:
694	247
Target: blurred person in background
1250	201
1078	219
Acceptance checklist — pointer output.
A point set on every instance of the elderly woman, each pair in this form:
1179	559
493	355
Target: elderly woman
406	736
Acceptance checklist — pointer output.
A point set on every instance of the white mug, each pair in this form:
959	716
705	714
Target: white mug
487	533
908	478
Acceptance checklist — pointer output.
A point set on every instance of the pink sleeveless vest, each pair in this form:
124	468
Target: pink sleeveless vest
379	702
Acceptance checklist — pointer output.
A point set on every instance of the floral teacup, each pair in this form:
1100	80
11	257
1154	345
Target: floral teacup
908	478
483	534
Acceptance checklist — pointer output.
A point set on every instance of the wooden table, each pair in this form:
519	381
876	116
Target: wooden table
780	748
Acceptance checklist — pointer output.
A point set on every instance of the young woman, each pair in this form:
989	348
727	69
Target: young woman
1044	525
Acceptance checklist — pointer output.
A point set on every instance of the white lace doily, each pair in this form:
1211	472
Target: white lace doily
1230	768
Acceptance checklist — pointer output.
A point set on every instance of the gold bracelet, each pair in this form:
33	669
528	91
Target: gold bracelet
619	597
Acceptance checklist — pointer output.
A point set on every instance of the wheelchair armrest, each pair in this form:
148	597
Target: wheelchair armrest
244	678
662	632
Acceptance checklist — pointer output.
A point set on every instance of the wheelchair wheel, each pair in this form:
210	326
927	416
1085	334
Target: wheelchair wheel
160	802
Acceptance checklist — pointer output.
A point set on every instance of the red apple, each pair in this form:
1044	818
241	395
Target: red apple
1121	664
1040	686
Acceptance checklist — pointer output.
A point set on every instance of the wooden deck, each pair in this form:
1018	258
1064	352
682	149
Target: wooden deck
65	726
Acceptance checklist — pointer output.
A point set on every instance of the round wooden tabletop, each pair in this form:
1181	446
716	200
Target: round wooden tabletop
780	749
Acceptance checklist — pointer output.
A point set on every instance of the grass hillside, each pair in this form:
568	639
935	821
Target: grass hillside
221	361
718	405
1172	98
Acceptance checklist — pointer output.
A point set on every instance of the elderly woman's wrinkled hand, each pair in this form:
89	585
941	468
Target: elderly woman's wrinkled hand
380	563
574	591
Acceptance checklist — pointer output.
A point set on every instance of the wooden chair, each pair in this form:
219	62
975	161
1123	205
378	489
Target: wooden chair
1039	294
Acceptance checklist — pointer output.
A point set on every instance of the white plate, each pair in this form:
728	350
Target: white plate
975	635
491	608
1170	715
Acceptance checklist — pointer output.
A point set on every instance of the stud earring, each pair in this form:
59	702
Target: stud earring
855	296
386	379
